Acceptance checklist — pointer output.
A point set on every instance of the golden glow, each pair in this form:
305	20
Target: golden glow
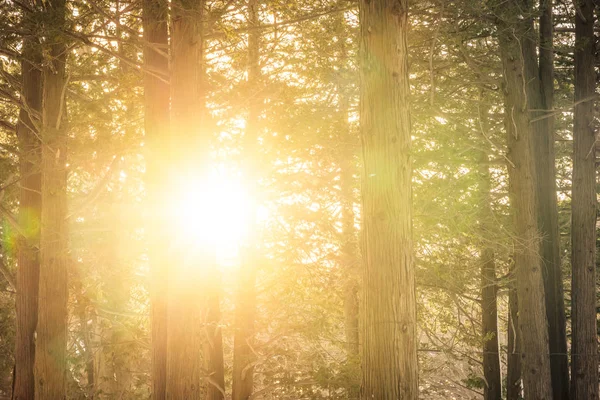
215	210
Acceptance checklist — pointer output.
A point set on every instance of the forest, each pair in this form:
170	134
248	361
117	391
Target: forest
299	199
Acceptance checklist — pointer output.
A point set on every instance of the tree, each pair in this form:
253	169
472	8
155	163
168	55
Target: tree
28	129
584	349
548	212
522	93
187	329
489	282
389	341
51	331
156	124
245	310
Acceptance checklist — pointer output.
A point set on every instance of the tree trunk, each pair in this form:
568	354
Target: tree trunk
243	353
584	348
186	331
522	93
156	123
245	311
489	327
214	343
513	368
389	340
548	212
489	284
51	341
30	204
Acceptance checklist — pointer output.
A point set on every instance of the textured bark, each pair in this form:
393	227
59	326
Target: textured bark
522	92
389	341
51	341
513	369
489	311
243	352
186	330
245	309
489	285
548	212
156	124
214	344
29	217
584	348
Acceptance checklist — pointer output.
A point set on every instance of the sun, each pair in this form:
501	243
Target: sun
214	209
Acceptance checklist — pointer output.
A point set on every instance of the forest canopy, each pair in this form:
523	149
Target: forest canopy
298	199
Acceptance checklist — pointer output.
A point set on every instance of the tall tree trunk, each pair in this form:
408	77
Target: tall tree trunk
245	310
186	331
489	284
513	368
389	339
584	348
156	123
243	353
548	212
214	343
522	92
51	340
29	215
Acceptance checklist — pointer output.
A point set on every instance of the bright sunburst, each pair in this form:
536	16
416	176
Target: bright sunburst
215	210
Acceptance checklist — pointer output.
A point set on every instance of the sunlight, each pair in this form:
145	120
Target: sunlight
211	210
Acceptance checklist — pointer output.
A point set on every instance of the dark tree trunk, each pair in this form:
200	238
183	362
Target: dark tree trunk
51	339
513	369
584	348
522	92
548	212
389	337
30	204
489	284
156	123
245	310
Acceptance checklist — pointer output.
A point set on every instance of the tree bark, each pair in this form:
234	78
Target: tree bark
584	348
522	93
214	343
513	368
489	283
245	310
389	341
188	267
51	341
156	124
30	204
548	212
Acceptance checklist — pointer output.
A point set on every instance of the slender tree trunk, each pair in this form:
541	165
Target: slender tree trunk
522	92
584	348
489	285
51	340
243	352
513	369
548	212
156	101
389	340
245	311
214	343
29	216
489	310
